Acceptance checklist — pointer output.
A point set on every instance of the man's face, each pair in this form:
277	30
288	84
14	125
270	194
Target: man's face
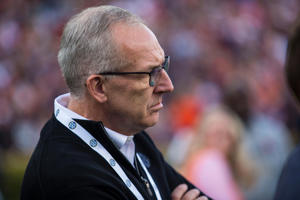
132	104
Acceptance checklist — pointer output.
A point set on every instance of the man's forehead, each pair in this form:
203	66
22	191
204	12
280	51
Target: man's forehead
135	39
129	33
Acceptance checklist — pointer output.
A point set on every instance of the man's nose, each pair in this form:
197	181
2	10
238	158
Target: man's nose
164	84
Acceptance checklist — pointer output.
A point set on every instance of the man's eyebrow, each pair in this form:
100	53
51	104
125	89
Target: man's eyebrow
156	66
152	66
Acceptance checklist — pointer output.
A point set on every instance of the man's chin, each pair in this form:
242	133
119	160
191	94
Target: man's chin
152	121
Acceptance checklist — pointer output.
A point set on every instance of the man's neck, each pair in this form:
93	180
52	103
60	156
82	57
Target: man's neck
84	108
91	110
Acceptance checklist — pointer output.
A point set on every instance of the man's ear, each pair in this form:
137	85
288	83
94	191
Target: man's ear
94	84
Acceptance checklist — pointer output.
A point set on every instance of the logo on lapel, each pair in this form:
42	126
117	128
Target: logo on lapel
145	160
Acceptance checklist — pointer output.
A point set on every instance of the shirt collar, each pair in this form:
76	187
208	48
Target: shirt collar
118	138
61	102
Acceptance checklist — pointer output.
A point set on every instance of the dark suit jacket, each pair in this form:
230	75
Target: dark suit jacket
64	167
288	185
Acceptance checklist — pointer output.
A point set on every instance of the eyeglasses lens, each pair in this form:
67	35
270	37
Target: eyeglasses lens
155	75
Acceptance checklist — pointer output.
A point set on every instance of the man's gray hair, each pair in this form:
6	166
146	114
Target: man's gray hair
87	46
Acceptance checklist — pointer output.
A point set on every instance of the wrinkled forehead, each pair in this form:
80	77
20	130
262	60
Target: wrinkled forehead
137	41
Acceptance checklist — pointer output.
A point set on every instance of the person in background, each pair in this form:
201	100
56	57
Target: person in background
266	139
218	164
94	146
288	184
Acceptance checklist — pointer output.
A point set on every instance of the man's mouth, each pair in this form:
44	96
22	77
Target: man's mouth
157	107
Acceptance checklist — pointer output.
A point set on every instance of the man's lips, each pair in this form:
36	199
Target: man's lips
157	107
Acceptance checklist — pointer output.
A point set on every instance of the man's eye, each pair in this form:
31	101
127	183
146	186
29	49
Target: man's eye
155	70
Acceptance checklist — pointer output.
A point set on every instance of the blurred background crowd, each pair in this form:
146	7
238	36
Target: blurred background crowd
228	126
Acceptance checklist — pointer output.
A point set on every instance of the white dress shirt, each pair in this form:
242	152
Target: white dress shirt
124	143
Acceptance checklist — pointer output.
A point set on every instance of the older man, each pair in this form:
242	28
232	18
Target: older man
288	185
94	146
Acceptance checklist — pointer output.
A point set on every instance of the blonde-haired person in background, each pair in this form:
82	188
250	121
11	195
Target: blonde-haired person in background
217	163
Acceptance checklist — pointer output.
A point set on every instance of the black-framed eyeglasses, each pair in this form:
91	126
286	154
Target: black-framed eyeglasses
154	74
